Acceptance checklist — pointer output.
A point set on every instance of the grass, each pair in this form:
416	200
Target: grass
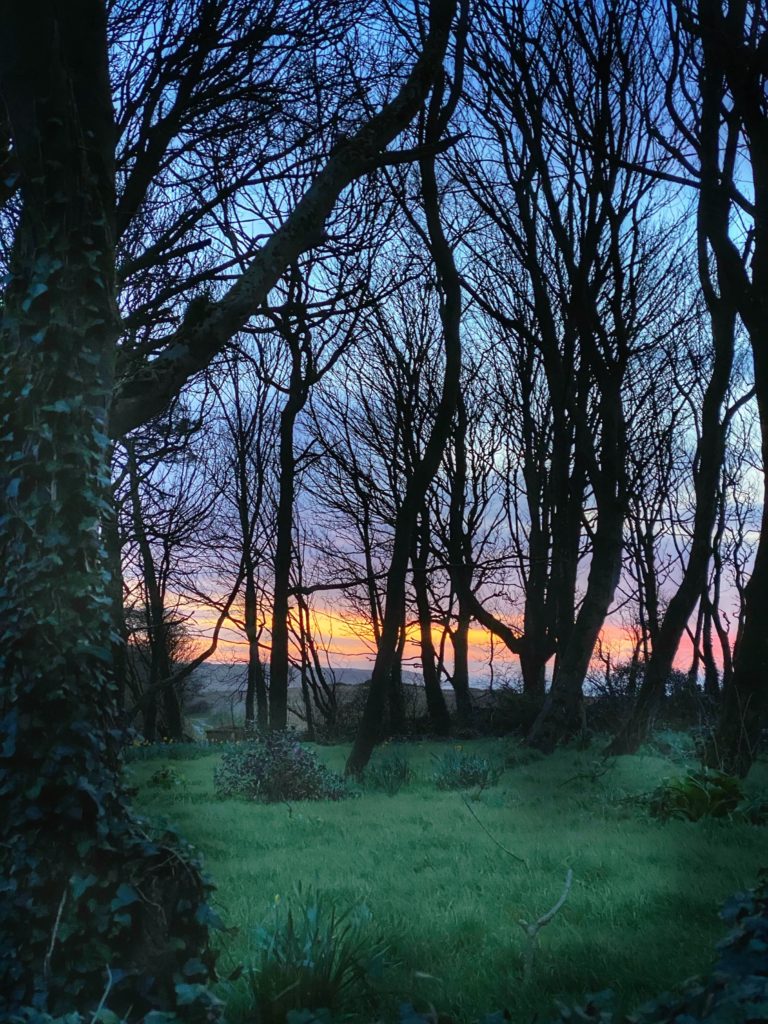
641	915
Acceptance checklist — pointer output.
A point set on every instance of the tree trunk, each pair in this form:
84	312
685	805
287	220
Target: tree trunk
711	676
710	448
279	671
160	662
436	706
460	677
533	667
256	687
745	705
65	819
745	700
562	715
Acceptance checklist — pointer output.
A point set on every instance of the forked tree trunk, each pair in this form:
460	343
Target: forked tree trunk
160	662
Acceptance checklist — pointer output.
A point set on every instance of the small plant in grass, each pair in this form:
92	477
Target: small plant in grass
705	793
675	746
735	990
167	778
388	773
456	770
140	750
313	956
276	769
518	754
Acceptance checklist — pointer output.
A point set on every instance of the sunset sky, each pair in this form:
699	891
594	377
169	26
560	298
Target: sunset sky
349	643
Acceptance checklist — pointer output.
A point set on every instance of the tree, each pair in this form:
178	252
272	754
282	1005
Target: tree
558	88
706	136
60	324
437	118
242	465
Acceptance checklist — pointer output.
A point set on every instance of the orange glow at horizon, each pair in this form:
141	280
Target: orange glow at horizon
349	642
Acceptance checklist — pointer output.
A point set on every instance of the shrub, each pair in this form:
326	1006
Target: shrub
461	771
313	956
389	774
274	769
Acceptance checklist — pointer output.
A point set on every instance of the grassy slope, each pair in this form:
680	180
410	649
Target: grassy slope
641	917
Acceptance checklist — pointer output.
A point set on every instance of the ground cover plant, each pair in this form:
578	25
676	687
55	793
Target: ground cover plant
445	897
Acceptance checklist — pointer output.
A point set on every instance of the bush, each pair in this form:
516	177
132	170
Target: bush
389	774
274	769
313	956
462	771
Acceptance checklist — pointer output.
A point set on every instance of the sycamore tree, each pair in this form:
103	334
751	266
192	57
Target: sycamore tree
92	901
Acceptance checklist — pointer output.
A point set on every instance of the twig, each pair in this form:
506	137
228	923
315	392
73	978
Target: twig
532	930
492	837
104	995
54	933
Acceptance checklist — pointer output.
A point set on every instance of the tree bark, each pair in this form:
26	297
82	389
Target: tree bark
60	784
65	814
460	677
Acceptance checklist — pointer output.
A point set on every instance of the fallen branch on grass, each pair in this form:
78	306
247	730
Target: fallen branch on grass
532	930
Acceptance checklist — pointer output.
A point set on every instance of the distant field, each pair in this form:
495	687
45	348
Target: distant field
641	916
218	696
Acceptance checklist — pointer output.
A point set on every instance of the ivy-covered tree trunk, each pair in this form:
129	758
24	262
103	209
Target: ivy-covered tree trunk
83	889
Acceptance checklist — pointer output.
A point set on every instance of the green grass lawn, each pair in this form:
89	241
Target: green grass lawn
641	917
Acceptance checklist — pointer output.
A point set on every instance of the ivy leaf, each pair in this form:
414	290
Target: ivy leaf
34	292
194	967
80	884
124	897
